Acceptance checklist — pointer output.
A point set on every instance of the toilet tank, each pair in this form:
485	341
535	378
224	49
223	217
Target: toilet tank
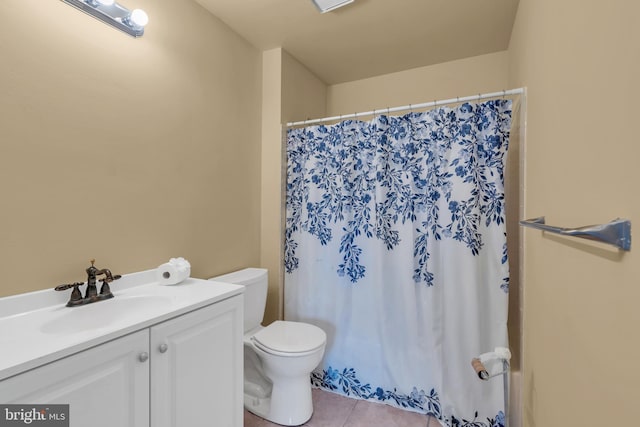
256	282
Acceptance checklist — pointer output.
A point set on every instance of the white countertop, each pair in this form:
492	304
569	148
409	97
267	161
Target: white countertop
37	327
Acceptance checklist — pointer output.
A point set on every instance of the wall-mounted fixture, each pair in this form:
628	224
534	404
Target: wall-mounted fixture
616	232
329	5
131	22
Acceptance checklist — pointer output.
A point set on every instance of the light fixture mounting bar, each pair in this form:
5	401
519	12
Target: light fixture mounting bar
114	15
329	5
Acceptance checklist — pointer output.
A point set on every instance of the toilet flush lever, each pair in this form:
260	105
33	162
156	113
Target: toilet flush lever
163	348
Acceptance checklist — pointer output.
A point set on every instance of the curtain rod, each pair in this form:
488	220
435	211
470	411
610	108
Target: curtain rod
517	91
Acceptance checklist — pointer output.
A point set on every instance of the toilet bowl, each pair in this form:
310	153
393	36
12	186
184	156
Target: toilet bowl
278	358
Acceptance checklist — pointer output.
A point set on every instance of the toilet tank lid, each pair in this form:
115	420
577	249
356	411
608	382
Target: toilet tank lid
242	277
291	337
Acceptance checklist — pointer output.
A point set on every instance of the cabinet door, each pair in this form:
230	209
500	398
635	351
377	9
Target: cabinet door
105	386
197	368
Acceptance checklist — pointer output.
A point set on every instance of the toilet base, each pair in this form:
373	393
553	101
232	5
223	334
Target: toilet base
279	408
257	405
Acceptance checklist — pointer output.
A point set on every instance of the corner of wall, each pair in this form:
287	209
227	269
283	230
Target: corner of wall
270	177
290	91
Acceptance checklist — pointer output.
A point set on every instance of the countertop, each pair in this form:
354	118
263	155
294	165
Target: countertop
37	328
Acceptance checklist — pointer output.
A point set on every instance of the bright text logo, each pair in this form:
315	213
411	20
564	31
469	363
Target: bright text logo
34	415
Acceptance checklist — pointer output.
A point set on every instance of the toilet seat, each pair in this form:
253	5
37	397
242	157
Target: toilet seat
284	338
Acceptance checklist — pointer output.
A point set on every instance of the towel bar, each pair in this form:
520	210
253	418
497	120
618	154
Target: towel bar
617	232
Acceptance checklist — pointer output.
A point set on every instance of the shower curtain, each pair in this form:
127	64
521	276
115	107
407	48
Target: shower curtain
395	245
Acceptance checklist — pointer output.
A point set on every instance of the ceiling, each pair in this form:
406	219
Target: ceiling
371	37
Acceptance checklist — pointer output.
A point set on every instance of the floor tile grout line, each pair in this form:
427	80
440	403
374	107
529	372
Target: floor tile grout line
346	420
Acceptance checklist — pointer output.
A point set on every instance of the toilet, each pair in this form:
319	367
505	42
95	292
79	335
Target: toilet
278	359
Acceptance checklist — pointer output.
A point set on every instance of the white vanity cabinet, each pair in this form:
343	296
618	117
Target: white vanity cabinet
197	368
105	386
186	371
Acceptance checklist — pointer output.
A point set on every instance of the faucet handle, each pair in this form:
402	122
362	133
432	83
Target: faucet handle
110	279
68	286
105	291
76	295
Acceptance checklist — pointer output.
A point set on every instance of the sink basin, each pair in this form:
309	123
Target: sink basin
104	313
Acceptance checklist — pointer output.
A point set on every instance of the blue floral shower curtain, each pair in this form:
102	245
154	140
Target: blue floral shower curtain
395	245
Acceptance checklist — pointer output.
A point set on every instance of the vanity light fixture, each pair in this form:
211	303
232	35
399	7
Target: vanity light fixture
131	22
329	5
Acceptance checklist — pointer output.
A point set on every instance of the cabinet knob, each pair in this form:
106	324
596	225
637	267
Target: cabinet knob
143	357
163	348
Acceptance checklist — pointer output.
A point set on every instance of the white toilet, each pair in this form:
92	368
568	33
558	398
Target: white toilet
278	359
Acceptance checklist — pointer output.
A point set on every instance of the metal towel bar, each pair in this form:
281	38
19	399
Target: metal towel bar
617	232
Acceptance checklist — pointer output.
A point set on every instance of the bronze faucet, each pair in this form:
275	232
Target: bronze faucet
91	293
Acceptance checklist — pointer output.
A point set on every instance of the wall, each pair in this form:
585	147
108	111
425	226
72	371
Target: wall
580	61
130	151
479	74
290	93
303	94
271	181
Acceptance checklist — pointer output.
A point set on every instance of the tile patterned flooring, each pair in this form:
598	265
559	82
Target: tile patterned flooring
333	410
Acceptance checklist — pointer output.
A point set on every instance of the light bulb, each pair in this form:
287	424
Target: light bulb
106	2
139	17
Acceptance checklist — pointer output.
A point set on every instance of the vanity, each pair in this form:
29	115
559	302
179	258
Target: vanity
152	355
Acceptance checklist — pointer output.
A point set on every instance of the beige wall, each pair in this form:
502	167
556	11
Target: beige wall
290	92
580	61
271	183
479	74
130	151
303	94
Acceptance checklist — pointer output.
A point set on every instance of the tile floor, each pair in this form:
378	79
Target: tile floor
333	410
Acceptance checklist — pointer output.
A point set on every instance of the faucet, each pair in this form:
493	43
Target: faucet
91	293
